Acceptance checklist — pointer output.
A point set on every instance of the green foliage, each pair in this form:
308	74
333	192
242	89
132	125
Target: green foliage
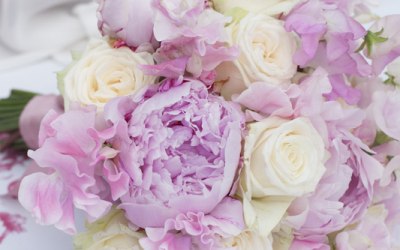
371	39
10	111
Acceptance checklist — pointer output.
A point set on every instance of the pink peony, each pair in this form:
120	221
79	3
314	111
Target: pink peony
197	230
178	149
370	233
128	20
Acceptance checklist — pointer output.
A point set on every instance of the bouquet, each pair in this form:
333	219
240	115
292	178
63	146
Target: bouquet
225	124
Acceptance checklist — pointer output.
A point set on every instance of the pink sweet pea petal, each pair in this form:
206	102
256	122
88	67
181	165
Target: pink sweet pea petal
40	194
266	99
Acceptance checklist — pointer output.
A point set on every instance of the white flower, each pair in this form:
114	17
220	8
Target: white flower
266	52
282	160
270	7
103	73
249	240
109	233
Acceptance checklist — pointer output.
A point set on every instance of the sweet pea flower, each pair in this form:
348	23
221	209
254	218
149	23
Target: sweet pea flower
393	70
70	153
178	150
189	31
360	10
386	111
383	53
188	18
315	21
128	20
371	232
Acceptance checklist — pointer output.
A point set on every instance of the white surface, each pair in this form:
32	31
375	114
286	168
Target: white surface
34	236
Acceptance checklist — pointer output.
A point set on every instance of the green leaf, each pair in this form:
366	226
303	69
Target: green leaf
10	111
370	39
381	138
22	93
390	80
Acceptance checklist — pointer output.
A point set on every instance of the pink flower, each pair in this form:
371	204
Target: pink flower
328	38
386	111
32	115
197	230
189	30
128	20
70	153
389	196
385	52
179	150
371	232
299	244
188	18
346	189
266	99
340	88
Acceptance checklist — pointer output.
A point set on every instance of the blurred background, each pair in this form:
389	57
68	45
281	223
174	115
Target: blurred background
36	37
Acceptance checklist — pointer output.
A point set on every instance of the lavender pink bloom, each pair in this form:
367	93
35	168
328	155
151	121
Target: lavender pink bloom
346	189
385	52
386	112
70	152
178	152
128	20
32	115
191	34
198	230
328	38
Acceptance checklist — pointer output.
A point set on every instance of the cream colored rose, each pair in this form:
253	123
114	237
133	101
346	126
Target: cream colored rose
270	7
109	233
266	52
282	160
102	73
249	240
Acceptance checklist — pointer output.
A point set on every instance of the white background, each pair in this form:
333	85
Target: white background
40	76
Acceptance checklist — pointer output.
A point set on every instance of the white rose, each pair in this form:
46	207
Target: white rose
109	233
266	52
249	240
270	7
103	73
282	160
